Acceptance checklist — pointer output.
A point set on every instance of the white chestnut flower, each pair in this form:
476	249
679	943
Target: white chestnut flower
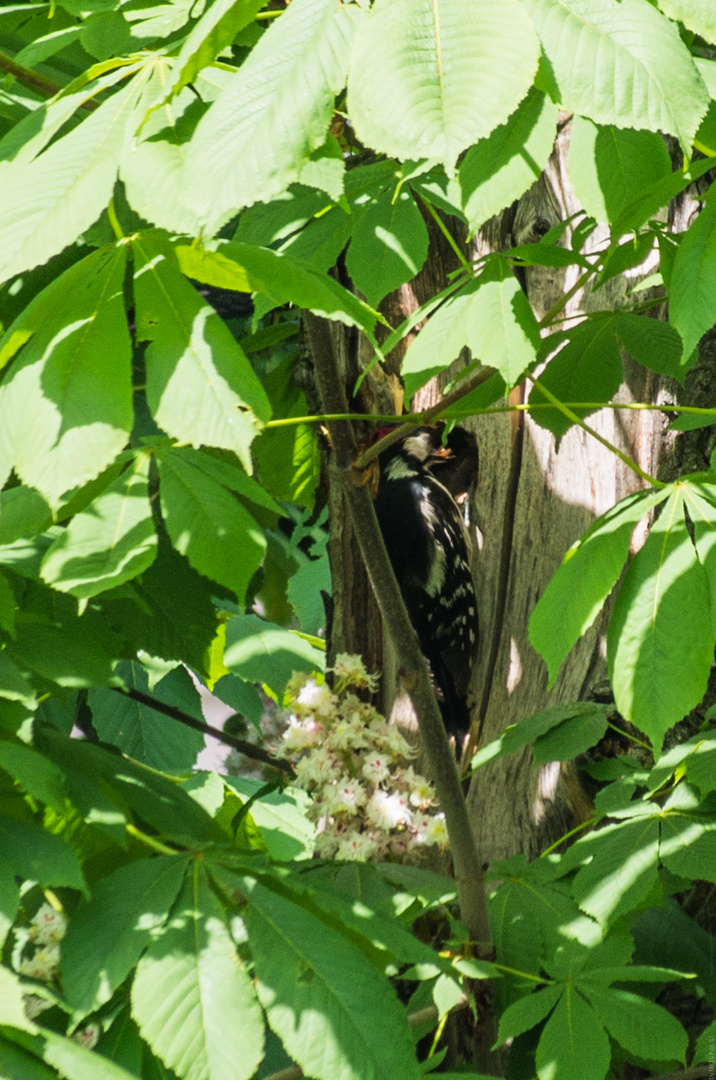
345	797
376	767
387	811
47	926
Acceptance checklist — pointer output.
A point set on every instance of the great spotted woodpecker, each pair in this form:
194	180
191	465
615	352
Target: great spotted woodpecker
428	548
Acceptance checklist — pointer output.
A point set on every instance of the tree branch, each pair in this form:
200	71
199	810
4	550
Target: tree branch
443	768
37	82
182	717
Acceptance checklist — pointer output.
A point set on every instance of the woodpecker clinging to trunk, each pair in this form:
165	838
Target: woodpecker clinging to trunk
428	548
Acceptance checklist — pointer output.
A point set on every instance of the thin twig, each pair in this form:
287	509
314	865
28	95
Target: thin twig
182	717
37	82
422	1016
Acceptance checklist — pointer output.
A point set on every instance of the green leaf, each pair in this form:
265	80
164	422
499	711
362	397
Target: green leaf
206	523
12	1010
200	386
286	279
622	871
94	772
334	1012
705	1044
325	169
214	31
192	998
7	607
274	113
23	512
553	731
110	542
73	1061
571	737
491	316
501	167
168	612
68	655
452	70
13	684
588	368
105	34
65	406
652	343
693	278
526	1013
260	651
688	842
107	934
610	167
304	594
9	903
39	856
697	15
576	593
389	244
574	1045
47	203
659	663
623	65
34	773
642	1027
142	732
280	817
288	458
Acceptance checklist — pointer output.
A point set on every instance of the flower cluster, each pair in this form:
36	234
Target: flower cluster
47	929
367	802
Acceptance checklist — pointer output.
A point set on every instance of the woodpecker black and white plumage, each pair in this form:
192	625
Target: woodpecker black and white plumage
427	544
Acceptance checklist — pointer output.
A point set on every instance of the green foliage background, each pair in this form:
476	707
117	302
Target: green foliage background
147	151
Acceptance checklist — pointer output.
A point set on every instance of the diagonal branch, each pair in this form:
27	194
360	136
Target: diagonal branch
243	745
443	768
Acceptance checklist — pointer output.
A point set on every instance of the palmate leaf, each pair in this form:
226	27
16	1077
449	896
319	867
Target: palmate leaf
659	662
576	593
452	71
109	933
66	404
262	129
621	64
334	1012
110	542
206	523
200	386
49	202
192	998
